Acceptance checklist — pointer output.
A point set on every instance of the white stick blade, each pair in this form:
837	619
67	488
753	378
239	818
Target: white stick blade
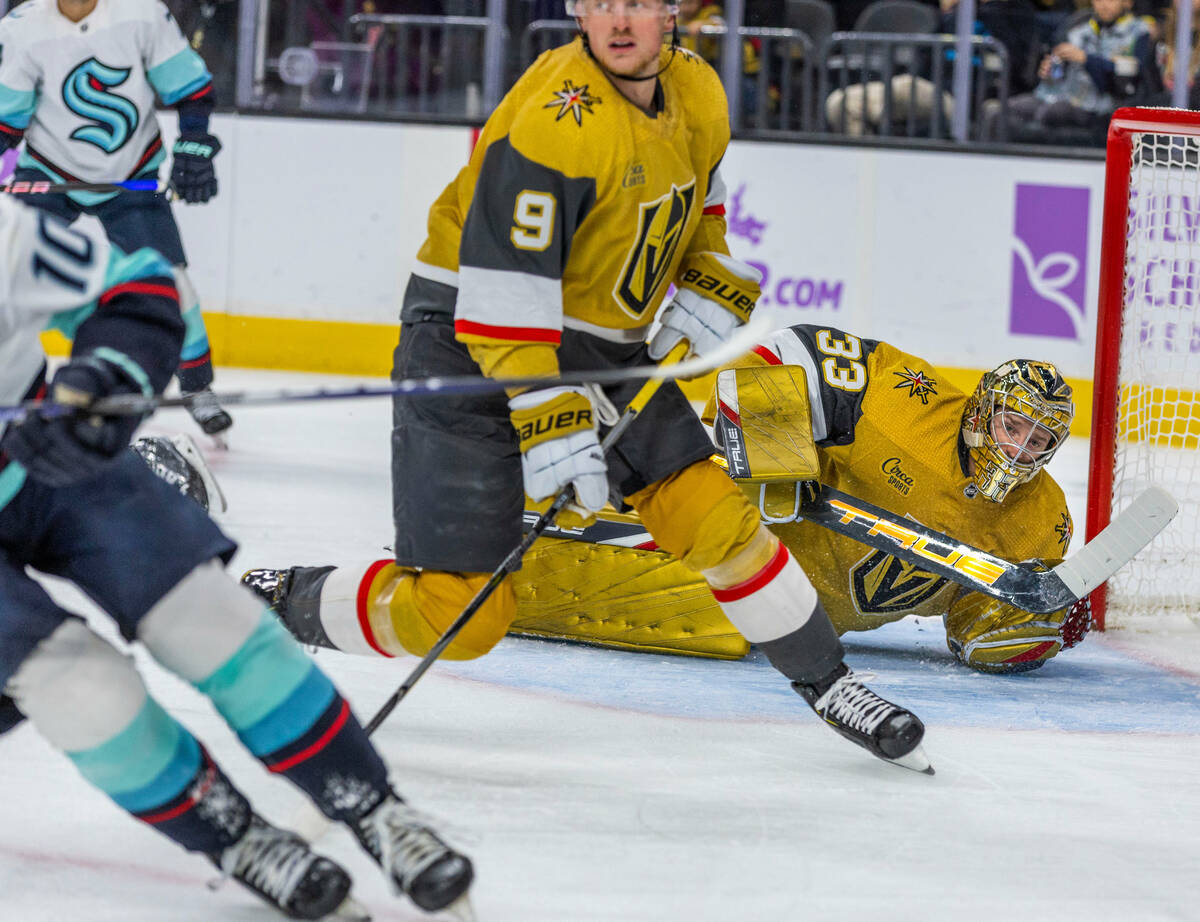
1136	526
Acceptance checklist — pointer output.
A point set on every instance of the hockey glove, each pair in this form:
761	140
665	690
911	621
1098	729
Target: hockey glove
559	445
192	173
74	446
716	294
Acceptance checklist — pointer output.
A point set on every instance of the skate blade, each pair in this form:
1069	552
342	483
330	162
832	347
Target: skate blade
916	761
350	910
461	909
188	448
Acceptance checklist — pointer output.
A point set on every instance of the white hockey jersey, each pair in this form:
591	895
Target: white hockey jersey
46	268
84	92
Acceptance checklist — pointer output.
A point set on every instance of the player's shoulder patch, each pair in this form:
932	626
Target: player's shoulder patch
564	112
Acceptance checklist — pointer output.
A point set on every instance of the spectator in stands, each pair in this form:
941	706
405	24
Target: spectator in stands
693	16
1167	56
1105	61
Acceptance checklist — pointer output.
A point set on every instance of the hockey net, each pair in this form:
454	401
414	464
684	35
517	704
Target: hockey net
1146	404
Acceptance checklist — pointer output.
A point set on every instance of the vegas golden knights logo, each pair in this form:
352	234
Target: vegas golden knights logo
660	228
883	585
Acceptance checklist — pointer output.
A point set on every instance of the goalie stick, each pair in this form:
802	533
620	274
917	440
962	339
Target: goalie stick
738	345
1021	584
1024	585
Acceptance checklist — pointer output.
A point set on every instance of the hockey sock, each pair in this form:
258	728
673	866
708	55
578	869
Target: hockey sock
87	699
388	610
218	636
195	370
776	607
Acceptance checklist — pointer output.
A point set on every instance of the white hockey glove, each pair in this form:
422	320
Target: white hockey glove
559	446
716	294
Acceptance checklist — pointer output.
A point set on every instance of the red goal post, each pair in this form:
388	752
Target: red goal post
1145	410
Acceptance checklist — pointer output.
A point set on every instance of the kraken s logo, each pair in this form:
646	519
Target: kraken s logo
882	584
112	118
660	229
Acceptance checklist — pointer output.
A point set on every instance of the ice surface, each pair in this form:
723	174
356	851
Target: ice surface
589	784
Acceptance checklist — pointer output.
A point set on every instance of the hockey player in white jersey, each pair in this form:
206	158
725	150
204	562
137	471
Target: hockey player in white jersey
79	80
76	503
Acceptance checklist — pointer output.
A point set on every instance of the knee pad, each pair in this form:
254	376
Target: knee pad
424	604
77	689
699	515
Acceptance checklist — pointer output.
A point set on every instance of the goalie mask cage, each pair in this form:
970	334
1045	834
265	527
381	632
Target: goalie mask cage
1145	410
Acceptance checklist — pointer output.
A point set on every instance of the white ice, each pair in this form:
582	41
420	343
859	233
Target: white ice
595	785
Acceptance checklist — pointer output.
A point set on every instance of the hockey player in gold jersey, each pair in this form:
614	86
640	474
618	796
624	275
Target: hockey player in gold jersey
889	430
594	186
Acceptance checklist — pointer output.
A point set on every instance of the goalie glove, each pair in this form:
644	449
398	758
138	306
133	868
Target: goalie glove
559	445
716	294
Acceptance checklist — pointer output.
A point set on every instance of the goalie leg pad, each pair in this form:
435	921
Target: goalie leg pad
622	597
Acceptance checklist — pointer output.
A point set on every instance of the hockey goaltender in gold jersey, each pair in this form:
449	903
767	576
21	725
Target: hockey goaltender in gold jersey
889	430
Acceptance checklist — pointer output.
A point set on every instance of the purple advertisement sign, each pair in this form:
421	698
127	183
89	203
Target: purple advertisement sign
1049	262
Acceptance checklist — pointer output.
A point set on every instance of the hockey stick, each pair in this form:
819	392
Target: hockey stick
737	346
41	187
512	562
1021	584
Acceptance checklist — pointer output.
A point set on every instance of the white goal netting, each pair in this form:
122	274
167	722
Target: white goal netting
1158	394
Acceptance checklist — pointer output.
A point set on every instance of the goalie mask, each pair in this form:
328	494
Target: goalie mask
1014	422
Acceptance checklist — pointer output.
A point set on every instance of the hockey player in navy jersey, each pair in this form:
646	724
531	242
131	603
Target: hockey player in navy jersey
78	82
76	503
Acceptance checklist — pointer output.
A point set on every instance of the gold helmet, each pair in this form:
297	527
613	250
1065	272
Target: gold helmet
1014	422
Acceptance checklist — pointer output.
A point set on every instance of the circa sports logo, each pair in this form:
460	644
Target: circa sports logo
1049	262
897	479
573	99
111	118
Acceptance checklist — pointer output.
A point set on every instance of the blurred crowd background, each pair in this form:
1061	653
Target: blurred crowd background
956	71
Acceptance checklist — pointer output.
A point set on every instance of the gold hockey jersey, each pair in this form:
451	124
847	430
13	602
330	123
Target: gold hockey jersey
887	431
578	208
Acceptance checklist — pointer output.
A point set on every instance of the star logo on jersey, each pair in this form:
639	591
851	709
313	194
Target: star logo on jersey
1064	529
919	384
573	99
883	584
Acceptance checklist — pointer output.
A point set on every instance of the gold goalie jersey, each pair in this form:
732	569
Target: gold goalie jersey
577	208
886	426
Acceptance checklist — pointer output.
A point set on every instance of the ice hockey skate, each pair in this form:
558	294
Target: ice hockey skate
280	868
179	462
208	414
860	715
418	863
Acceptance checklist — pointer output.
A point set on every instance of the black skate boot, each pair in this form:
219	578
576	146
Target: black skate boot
280	868
860	715
271	586
418	863
205	410
177	461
